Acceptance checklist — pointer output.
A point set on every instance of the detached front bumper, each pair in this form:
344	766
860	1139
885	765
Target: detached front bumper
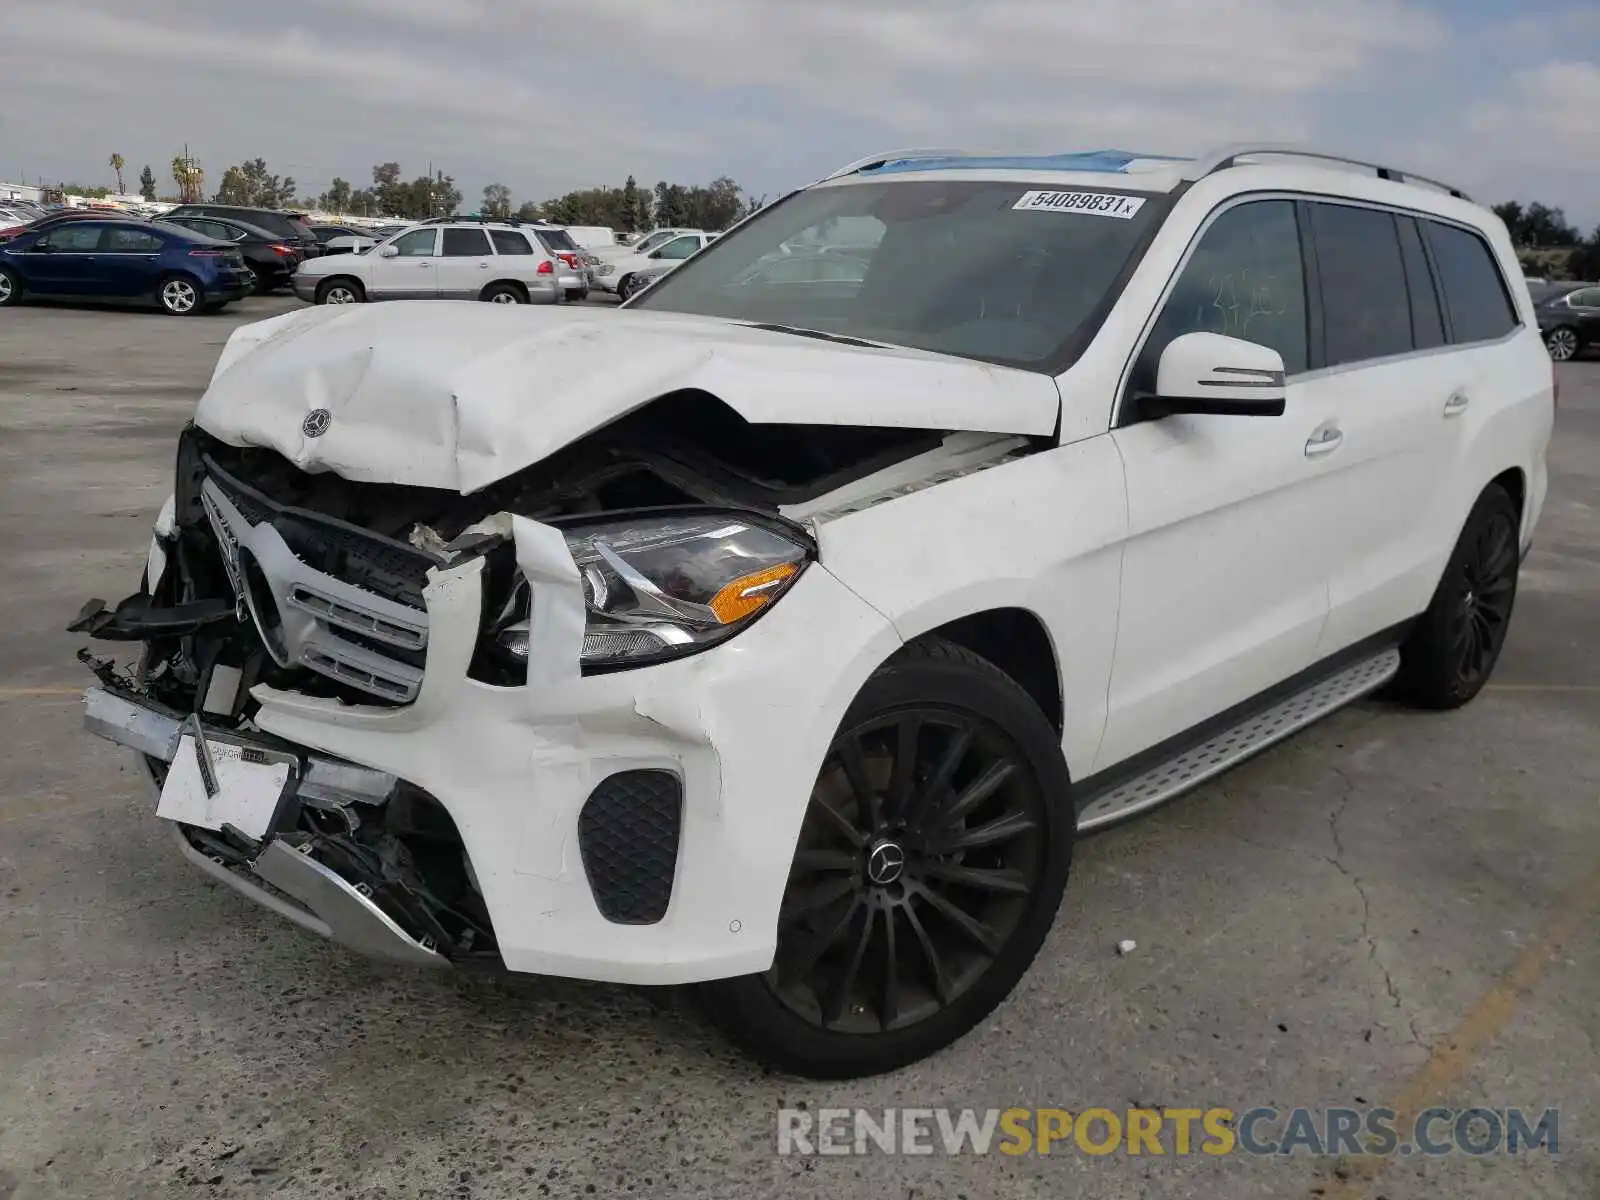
297	886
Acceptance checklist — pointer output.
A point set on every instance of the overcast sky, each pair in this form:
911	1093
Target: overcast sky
1500	97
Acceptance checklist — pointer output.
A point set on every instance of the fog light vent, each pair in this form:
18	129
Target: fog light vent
628	839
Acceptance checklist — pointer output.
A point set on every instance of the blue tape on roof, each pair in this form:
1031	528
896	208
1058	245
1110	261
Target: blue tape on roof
1086	160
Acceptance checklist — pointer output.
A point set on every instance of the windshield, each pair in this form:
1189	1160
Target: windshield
650	242
1003	272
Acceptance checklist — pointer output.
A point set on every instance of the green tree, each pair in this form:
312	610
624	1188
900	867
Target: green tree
117	163
528	210
189	177
389	192
147	183
337	198
497	201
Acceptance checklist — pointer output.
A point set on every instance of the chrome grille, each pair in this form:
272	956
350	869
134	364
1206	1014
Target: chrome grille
301	612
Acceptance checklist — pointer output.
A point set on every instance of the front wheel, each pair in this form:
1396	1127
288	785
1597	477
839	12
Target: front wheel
1450	654
1562	343
625	287
931	861
179	296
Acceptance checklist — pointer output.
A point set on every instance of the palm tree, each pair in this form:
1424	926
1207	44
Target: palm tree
117	163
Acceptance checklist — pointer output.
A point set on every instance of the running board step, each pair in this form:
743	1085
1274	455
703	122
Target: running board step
1251	734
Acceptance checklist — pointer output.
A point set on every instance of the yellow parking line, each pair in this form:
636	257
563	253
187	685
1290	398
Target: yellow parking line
39	693
1453	1055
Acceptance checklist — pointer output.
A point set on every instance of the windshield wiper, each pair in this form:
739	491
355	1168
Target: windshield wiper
801	331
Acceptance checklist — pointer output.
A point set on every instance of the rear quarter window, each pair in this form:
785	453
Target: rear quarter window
1475	295
508	241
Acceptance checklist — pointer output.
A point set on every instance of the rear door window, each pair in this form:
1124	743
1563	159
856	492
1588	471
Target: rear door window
1475	295
130	241
465	243
1427	321
1366	307
509	241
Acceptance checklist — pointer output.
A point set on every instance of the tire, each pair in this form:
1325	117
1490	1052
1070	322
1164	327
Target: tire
1563	343
1452	651
961	924
503	293
341	289
264	284
10	288
577	295
624	287
179	296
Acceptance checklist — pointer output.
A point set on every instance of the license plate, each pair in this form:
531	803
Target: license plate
212	783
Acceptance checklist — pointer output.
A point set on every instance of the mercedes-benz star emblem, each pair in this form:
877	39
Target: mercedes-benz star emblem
316	422
885	863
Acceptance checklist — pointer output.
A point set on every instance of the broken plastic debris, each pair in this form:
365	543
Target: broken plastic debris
1127	946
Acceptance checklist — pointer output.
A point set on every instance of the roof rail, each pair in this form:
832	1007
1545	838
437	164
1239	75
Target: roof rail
1224	157
877	160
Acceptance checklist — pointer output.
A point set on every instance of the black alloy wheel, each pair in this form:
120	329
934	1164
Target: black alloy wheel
1451	651
929	866
1487	586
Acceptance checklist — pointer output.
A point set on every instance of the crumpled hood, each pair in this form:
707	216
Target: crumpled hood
458	394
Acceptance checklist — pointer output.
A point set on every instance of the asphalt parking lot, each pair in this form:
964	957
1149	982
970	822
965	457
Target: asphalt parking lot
1393	908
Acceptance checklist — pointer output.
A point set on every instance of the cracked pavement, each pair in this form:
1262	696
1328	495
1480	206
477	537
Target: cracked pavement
1309	928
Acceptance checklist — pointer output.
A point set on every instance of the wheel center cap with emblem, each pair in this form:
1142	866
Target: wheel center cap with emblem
886	863
316	422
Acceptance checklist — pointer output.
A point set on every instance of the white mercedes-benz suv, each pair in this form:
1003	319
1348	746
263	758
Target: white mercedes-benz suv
786	646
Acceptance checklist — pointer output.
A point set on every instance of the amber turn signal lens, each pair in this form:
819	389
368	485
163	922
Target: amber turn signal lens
750	592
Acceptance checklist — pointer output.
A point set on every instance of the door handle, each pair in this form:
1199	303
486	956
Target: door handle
483	266
1457	404
1324	441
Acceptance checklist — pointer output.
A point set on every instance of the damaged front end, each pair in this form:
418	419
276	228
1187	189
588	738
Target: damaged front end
265	579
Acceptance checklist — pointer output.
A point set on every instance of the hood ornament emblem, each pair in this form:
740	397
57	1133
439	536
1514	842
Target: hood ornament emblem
316	423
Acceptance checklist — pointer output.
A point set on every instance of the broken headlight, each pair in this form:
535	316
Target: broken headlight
660	587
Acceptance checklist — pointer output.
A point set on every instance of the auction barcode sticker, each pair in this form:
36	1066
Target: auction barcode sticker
1099	204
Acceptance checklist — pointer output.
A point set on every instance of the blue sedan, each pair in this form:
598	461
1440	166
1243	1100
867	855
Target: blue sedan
179	271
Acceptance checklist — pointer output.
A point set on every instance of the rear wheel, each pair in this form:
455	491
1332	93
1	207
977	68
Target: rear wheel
930	865
504	293
1562	343
340	291
179	296
264	283
1451	653
10	288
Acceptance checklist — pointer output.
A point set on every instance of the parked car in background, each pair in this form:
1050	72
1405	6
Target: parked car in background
592	237
575	263
1569	319
55	217
642	243
465	261
293	228
180	271
271	260
620	275
343	239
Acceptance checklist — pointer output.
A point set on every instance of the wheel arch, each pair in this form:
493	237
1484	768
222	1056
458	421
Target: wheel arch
353	280
515	284
1015	640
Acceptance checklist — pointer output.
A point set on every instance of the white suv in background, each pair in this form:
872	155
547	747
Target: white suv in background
469	260
619	273
787	645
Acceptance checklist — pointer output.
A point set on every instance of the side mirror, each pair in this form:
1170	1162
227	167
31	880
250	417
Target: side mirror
388	251
1211	374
